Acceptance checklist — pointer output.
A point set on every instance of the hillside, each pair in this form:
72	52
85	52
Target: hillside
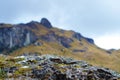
43	38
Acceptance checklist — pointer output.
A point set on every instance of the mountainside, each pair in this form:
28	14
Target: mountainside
43	38
16	36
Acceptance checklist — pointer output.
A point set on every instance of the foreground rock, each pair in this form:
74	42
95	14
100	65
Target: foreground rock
50	67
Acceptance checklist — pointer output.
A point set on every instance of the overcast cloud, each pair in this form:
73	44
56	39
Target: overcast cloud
92	18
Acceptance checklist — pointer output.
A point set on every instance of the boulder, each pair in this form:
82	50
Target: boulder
38	44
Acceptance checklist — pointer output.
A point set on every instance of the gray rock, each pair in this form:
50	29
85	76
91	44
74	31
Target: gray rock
46	23
52	37
90	40
78	36
75	50
38	44
65	41
15	37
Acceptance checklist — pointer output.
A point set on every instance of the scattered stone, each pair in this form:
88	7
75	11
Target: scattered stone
51	67
38	44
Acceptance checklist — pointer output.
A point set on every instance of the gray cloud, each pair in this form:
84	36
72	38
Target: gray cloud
90	17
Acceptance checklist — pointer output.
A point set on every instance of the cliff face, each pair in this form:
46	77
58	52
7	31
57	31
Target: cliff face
16	36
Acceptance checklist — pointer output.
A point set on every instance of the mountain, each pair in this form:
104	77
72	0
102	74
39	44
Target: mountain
16	36
43	38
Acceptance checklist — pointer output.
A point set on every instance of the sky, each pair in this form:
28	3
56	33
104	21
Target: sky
97	19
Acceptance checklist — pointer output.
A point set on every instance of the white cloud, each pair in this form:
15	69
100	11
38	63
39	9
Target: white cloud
108	41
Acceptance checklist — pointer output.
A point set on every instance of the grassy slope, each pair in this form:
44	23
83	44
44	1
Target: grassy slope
93	54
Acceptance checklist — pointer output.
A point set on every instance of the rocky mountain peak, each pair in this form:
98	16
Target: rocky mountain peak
45	22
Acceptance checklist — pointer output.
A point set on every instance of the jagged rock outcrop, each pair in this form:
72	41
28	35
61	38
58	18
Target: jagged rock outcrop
78	36
65	41
46	23
90	40
52	37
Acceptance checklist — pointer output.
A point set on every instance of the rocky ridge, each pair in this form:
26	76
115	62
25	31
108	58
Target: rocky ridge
17	36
